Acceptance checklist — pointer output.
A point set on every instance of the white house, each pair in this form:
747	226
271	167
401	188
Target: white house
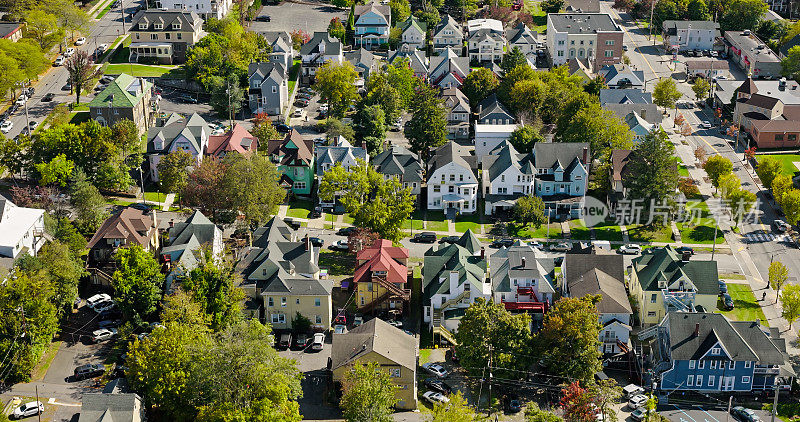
622	76
448	69
562	173
21	229
448	34
321	49
205	8
453	180
458	111
413	32
489	136
485	45
523	38
507	175
523	280
177	133
372	23
689	35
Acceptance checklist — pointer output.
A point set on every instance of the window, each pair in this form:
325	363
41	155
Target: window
690	380
609	53
748	364
715	351
653	297
137	35
701	364
699	380
732	365
297	301
560	42
158	26
166	35
609	42
362	301
394	372
437	188
711	381
317	319
651	314
283	302
713	364
452	177
691	364
745	380
460	177
317	302
451	189
278	319
176	25
779	137
572	42
153	37
271	302
274	89
793	137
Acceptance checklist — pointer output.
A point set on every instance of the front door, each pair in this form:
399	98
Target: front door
727	383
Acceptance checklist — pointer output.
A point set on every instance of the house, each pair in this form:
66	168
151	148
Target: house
707	352
526	40
581	68
470	242
458	112
448	69
582	6
364	62
268	90
320	49
780	6
165	35
639	126
706	68
126	97
663	280
207	9
398	162
448	35
452	278
237	139
103	407
689	35
342	153
372	24
592	36
294	158
380	277
490	136
492	112
507	176
562	172
177	133
523	280
622	76
282	47
417	59
131	226
281	278
769	111
11	31
486	40
453	180
751	55
376	341
602	274
21	229
648	112
186	242
617	174
413	32
624	96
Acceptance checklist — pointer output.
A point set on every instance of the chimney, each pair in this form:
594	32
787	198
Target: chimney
141	84
686	256
171	223
155	220
483	252
306	242
585	155
523	262
696	329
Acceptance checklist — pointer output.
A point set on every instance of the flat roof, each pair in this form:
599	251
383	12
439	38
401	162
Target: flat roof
751	45
583	23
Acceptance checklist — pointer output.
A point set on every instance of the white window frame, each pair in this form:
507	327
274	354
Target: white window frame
699	380
690	381
692	364
748	364
746	379
711	379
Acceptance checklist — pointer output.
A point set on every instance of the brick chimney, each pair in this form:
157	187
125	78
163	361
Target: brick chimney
696	329
585	155
306	242
483	253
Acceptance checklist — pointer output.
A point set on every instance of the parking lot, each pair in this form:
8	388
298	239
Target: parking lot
292	16
698	414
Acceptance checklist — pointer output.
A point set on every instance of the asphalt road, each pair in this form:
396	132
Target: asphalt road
698	414
291	16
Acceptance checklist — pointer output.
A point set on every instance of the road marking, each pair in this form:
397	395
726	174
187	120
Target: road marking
709	414
682	411
53	401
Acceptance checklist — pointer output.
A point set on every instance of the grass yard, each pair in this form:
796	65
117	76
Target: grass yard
611	232
786	160
338	263
415	222
424	356
641	233
579	231
435	221
531	232
299	209
471	222
154	196
347	219
702	232
293	75
105	10
731	276
138	70
539	16
80	117
121	202
746	308
683	171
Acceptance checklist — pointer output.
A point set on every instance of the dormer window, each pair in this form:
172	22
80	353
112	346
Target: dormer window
176	26
158	26
142	25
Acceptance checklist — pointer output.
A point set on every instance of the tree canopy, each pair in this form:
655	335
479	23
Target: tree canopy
368	394
335	83
138	283
428	125
569	340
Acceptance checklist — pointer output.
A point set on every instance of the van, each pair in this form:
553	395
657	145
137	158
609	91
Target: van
631	390
285	341
424	237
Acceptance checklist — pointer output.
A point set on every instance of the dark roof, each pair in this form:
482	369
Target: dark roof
193	129
197	226
165	18
332	45
665	263
619	159
762	101
672	26
521	34
100	407
547	154
521	261
131	224
451	258
583	6
470	242
452	153
398	160
795	41
603	274
8	28
292	150
375	335
504	156
582	23
625	96
648	112
491	105
748	87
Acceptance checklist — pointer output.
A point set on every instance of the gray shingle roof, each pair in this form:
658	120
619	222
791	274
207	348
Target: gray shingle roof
582	23
491	105
336	154
166	18
452	153
398	160
375	335
548	154
625	96
672	26
331	45
508	263
96	407
603	274
505	156
665	264
448	22
648	112
193	129
470	242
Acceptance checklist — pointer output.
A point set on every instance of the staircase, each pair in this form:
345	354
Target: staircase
439	329
648	333
392	291
370	306
453	301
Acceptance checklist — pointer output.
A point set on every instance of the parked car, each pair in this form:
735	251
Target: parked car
433	397
505	242
89	370
32	125
48	97
80	41
705	125
346	231
301	102
186	98
561	247
682	249
512	403
58	61
301	341
424	237
98	298
104	306
340	318
632	390
744	414
781	226
319	342
630	248
637	401
103	334
535	244
305	95
639	414
340	245
69	52
398	125
339	329
315	213
264	18
21	100
449	239
285	341
438	385
357	320
435	369
298	113
31	408
316	242
109	323
306	90
283	128
102	48
6	126
727	302
723	287
67	86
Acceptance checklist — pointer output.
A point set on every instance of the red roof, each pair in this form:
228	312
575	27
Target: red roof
238	139
382	256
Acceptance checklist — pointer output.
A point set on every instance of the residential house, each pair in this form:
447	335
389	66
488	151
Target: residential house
128	98
707	352
617	173
413	32
581	68
380	277
664	280
507	176
770	112
526	40
781	6
486	40
372	24
448	69
207	9
364	62
648	112
523	280
639	126
490	136
417	59
470	242
492	112
104	407
237	140
706	68
294	158
320	49
453	180
130	226
751	55
458	112
624	96
592	36
376	341
342	153
602	274
689	35
582	6
398	162
177	133
165	35
622	76
281	278
11	31
21	229
452	278
562	173
448	35
187	240
268	87
282	48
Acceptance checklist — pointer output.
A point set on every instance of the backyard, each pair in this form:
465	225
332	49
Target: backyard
701	231
299	209
746	307
142	70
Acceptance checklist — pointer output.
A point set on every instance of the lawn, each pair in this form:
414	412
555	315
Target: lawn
701	232
641	233
471	222
299	209
539	16
579	231
121	202
786	160
611	232
683	171
416	218
436	221
338	263
154	196
138	70
531	232
293	76
109	49
105	10
347	219
746	308
80	117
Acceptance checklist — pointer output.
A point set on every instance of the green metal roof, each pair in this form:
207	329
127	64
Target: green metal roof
665	263
123	92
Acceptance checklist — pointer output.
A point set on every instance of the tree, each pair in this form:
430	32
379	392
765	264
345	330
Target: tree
300	323
56	172
179	308
65	270
137	283
479	84
456	410
577	403
14	155
205	189
778	274
594	86
125	136
790	303
430	16
601	128
552	6
740	202
524	138
264	130
790	203
527	96
334	128
701	87
251	186
728	183
534	414
173	171
604	393
401	10
370	121
374	203
226	95
666	93
716	167
67	234
42	27
335	83
697	10
381	92
487	325
401	77
781	184
651	170
530	210
512	59
11	74
428	125
213	286
665	10
569	340
700	154
368	394
336	29
28	56
87	203
790	65
742	14
81	70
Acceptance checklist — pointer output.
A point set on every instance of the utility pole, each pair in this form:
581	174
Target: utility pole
230	112
652	8
775	402
490	379
122	15
38	411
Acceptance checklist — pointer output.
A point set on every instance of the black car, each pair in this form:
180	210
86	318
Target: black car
67	87
723	288
188	99
512	403
264	18
682	249
141	206
316	242
500	243
424	237
438	385
727	302
301	341
90	370
48	97
283	128
744	415
449	239
315	213
346	231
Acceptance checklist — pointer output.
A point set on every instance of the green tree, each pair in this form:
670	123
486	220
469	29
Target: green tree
524	138
456	410
336	29
300	323
781	184
180	308
665	10
370	121
777	274
430	16
601	128
604	393
742	14
530	210
335	83
28	56
334	128
790	303
594	86
401	10
65	271
479	84
206	189
213	287
67	234
666	93
534	414
790	203
512	59
173	171
56	172
81	70
768	169
717	166
381	92
226	95
87	203
114	174
125	136
137	283
264	131
740	202
428	125
251	186
701	87
504	88
379	205
698	11
42	27
790	65
401	77
569	340
368	394
728	183
652	174
527	96
11	74
552	6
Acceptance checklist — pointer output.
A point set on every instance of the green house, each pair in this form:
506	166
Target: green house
294	158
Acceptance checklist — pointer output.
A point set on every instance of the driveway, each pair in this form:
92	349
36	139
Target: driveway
314	366
289	16
698	414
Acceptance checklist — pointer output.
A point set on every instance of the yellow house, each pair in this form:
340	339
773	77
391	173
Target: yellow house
381	277
377	341
663	280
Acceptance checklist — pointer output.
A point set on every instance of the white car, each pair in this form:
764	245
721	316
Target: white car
632	249
319	342
298	112
435	369
59	61
104	306
435	398
637	401
70	51
6	126
103	334
21	100
561	247
98	298
80	41
31	408
358	320
705	125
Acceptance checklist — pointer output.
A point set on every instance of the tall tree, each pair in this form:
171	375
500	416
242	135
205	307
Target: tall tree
767	170
56	172
65	270
790	65
368	394
11	74
173	171
264	131
577	403
716	167
790	203
88	204
742	14
336	29
401	10
778	274
251	185
370	122
137	283
524	138
428	125
728	183
666	93
227	96
652	174
697	10
790	303
125	136
381	92
401	77
456	410
213	286
335	83
552	6
512	59
740	202
569	340
479	84
42	27
530	210
601	128
81	70
701	87
604	393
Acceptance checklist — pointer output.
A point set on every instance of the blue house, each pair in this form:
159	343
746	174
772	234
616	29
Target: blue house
707	352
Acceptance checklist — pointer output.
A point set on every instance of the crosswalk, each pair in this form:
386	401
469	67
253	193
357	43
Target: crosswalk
764	237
